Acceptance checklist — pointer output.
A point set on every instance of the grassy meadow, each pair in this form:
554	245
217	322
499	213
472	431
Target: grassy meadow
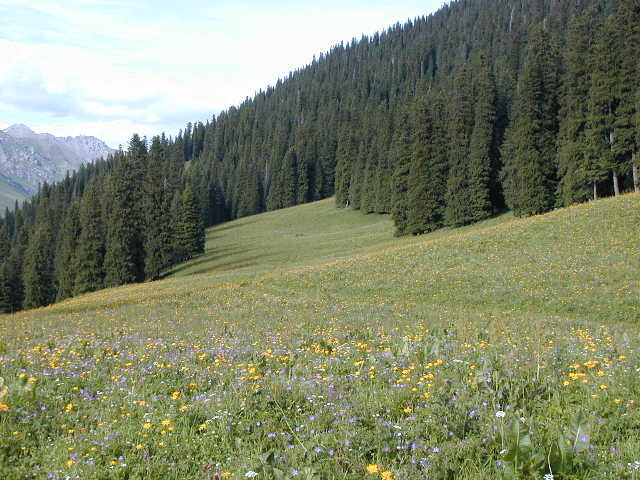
309	343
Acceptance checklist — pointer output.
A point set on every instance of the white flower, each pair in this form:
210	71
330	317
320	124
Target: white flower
251	474
549	476
500	414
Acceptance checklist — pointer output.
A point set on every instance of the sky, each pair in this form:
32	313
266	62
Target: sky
111	68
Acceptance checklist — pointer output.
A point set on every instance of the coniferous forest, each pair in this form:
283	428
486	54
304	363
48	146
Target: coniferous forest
446	120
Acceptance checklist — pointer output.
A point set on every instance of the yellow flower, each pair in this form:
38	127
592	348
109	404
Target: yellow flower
426	395
408	410
4	407
202	426
147	426
69	463
32	379
603	387
373	468
184	408
226	474
175	395
386	475
138	447
165	422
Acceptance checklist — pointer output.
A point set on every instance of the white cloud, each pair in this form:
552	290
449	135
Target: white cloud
113	68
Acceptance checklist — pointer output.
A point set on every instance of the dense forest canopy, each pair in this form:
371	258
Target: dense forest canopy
445	120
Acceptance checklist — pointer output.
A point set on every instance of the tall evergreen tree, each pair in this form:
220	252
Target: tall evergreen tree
458	196
65	259
481	152
529	172
39	286
401	151
124	257
90	250
189	233
578	181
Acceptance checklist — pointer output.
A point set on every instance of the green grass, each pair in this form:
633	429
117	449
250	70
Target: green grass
311	343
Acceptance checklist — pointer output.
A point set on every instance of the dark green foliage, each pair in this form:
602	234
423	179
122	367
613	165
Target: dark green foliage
401	158
482	156
39	278
124	257
65	259
576	176
529	171
189	234
89	258
457	197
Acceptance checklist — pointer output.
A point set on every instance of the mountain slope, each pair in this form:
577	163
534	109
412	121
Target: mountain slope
28	159
324	352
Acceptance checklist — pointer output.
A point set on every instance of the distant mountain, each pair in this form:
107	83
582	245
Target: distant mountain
28	159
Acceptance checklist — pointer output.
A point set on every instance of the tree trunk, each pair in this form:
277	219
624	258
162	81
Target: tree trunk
595	191
634	167
616	185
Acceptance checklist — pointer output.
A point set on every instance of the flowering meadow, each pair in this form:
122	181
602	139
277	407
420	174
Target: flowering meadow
509	349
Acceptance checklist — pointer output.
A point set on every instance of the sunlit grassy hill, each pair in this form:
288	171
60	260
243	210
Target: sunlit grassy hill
316	319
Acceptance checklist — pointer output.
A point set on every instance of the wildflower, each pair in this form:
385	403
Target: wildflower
386	475
69	463
500	414
147	425
373	468
226	474
251	474
549	476
166	422
32	379
603	387
426	395
202	427
68	407
408	410
175	395
4	407
138	447
184	408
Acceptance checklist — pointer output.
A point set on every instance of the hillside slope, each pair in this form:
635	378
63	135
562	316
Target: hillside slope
28	159
312	342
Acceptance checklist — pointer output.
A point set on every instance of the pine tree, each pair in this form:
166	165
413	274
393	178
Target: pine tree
155	216
90	250
428	172
189	237
458	201
576	180
529	172
65	259
401	151
39	278
344	156
124	257
481	154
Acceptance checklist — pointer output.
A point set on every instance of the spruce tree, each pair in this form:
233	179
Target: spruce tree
458	196
344	156
401	154
90	250
124	257
576	180
155	216
65	259
189	234
39	278
481	151
529	172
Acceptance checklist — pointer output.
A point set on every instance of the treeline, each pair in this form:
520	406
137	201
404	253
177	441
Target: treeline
445	120
120	220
